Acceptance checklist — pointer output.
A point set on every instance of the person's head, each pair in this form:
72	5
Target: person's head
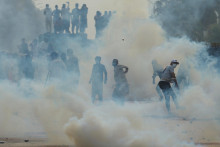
106	13
114	62
64	6
77	5
54	55
98	13
23	40
84	6
56	6
63	56
97	59
47	5
69	51
46	39
109	12
174	63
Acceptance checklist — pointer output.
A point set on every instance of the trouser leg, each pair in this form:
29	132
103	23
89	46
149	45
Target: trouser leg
100	96
167	98
73	27
174	97
93	96
77	28
159	92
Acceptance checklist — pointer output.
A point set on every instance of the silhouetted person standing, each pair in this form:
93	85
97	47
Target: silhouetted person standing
27	67
121	88
72	65
98	71
56	67
56	16
105	19
109	15
75	18
83	18
66	17
59	25
48	18
23	48
98	23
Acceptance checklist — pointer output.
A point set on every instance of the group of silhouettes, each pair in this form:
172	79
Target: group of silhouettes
64	66
61	19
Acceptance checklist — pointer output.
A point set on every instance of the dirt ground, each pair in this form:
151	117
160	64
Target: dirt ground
186	128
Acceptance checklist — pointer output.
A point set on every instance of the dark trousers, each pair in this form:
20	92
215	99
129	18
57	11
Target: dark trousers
159	92
97	90
168	91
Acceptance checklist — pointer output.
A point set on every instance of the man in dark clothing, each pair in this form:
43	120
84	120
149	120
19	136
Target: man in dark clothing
75	18
98	23
28	69
83	18
48	17
122	88
158	71
56	16
72	65
66	17
97	79
23	48
168	77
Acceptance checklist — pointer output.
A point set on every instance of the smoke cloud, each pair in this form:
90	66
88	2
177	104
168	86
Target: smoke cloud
68	117
18	19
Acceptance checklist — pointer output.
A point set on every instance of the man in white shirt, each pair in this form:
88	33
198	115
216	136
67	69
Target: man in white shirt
168	77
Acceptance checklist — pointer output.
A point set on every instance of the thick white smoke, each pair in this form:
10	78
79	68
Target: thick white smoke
68	117
18	19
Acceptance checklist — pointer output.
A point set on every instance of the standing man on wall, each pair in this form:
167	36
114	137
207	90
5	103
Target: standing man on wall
65	17
56	16
83	18
75	18
168	77
97	79
48	17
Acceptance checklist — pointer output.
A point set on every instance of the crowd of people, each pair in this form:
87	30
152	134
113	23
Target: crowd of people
62	64
61	19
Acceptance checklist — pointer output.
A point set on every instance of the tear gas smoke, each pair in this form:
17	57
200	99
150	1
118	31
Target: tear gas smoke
68	117
18	19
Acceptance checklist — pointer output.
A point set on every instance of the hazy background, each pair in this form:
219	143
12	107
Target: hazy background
68	117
